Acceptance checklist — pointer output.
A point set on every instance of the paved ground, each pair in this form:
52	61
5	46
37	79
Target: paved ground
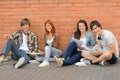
52	72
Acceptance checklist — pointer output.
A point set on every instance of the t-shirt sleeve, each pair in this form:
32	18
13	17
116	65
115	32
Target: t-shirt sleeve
110	38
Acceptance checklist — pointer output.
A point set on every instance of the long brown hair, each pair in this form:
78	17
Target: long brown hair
77	33
52	25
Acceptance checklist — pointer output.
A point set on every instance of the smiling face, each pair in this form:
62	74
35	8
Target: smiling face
97	30
48	27
26	28
82	27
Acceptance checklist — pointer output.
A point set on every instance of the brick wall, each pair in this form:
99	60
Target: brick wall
64	13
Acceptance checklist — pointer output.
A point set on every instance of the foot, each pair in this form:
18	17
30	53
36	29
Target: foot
59	61
80	64
20	62
104	63
2	57
1	61
44	64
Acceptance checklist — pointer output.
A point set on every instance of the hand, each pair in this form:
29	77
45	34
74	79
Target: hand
42	53
80	47
7	36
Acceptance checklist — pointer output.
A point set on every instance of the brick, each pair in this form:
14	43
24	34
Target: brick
64	13
110	4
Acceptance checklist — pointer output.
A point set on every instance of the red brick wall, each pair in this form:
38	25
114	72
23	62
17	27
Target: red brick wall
64	13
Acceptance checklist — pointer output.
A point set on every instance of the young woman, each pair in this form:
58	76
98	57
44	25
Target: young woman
51	47
73	51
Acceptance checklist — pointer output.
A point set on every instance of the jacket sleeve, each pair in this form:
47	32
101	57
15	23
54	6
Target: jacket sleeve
56	41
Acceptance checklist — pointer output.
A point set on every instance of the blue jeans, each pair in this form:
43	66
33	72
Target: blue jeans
17	54
72	55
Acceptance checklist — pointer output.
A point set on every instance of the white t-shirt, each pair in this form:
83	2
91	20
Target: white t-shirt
49	42
84	42
24	45
107	38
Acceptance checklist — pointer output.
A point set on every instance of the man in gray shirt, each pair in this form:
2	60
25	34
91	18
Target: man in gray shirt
107	41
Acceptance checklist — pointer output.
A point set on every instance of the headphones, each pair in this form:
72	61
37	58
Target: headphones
99	37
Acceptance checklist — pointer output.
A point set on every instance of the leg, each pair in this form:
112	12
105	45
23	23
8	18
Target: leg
71	49
104	56
47	53
46	58
10	46
23	60
88	56
75	58
71	60
55	52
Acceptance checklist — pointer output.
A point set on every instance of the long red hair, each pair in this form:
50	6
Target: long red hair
52	25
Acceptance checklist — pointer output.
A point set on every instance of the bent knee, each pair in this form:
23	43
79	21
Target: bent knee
108	56
47	47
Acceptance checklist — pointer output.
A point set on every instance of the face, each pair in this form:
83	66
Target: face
97	30
82	27
48	27
26	28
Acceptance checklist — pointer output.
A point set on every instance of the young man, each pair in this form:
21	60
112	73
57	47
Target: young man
108	43
21	42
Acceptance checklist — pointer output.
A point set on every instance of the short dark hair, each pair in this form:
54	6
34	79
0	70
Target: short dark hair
24	21
93	23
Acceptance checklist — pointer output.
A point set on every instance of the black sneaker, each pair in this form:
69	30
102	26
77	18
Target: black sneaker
104	63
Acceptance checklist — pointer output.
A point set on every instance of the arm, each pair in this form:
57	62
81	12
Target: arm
55	41
112	48
36	43
15	35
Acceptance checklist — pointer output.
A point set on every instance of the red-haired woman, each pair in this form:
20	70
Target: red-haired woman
51	43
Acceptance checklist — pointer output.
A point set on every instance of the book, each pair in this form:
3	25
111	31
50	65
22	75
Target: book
78	42
34	53
95	48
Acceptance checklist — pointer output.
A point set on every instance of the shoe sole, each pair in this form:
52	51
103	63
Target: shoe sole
19	63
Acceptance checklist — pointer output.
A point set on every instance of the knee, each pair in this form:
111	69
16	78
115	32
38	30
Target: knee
47	48
85	53
108	56
10	41
73	43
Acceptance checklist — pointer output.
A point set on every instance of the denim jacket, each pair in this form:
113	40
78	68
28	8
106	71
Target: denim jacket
89	39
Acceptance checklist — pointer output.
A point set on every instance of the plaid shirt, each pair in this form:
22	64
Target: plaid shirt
32	40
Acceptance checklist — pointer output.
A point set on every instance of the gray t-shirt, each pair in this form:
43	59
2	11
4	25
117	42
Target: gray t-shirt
107	38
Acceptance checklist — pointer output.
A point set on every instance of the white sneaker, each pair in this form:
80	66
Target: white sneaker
20	62
44	64
80	64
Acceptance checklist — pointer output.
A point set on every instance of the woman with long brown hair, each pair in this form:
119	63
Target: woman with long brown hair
74	51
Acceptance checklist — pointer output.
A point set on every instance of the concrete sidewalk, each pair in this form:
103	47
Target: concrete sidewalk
52	72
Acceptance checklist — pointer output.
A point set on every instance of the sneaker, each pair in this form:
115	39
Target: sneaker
80	64
86	61
44	64
59	61
20	62
104	63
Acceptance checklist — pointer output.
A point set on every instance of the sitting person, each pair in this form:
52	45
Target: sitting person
21	42
73	51
108	43
51	47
